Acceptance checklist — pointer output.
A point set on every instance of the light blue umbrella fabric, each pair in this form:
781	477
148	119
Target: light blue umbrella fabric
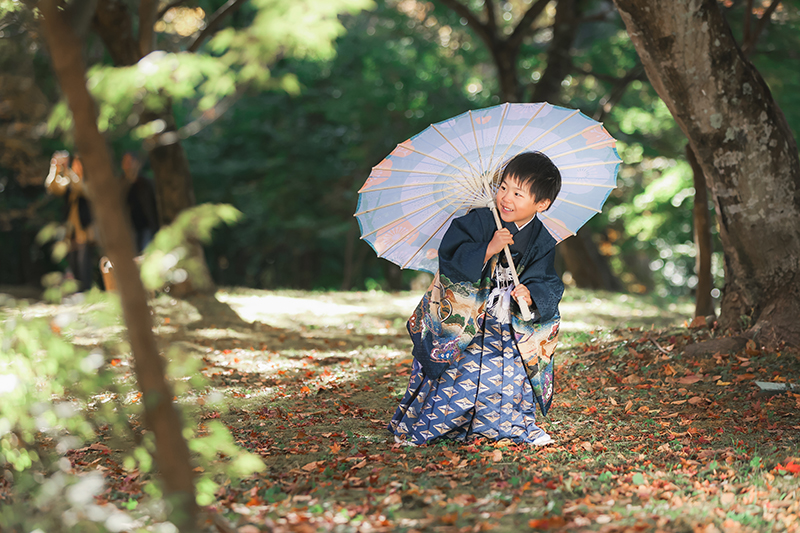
410	198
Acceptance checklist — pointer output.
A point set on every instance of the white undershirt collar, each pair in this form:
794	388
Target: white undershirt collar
519	228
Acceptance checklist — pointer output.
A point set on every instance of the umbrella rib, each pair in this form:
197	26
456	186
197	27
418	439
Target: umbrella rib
548	131
559	223
520	133
410	185
597	164
497	137
412	149
433	233
588	146
570	137
423	172
400	201
454	148
475	136
588	184
581	205
408	214
409	232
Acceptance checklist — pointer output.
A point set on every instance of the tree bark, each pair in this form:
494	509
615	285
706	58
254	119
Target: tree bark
745	148
588	267
160	413
173	178
704	304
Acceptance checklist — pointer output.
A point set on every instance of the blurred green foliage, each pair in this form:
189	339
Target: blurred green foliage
57	398
167	259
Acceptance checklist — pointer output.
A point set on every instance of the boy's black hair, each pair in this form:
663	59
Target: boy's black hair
537	172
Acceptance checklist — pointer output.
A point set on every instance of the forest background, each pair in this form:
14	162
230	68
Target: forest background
292	154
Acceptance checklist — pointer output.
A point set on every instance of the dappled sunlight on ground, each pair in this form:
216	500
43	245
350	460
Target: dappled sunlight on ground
309	380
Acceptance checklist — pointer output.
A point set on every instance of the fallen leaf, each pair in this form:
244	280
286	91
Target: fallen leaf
698	322
690	379
727	498
790	467
311	466
497	456
723	383
695	400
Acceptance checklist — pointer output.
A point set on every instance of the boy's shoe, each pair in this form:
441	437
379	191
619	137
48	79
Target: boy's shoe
398	440
542	440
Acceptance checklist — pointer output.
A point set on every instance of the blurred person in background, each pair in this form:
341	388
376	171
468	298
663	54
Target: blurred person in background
67	180
141	202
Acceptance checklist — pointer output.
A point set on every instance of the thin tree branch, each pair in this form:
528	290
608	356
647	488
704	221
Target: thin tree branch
749	46
174	3
194	127
491	16
219	15
148	9
608	102
479	27
525	26
748	14
606	77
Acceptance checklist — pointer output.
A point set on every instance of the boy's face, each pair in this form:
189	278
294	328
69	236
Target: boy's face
515	203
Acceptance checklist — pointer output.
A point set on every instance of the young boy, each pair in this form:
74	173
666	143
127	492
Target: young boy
479	368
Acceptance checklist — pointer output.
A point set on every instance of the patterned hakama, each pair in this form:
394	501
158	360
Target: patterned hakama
486	391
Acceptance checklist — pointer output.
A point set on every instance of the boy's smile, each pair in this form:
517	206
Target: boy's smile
515	203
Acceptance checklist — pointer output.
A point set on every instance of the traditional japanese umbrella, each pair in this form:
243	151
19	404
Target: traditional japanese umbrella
410	198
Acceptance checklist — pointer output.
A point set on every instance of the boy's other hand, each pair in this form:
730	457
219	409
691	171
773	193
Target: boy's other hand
499	240
522	294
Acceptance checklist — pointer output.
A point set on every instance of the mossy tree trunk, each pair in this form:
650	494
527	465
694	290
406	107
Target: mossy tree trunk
746	151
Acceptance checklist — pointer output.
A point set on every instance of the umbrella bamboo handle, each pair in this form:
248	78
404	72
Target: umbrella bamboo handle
523	306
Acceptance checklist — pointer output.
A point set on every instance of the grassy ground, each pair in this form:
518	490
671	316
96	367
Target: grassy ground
647	438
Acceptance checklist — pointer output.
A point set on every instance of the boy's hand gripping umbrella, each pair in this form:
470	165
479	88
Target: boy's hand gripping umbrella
410	198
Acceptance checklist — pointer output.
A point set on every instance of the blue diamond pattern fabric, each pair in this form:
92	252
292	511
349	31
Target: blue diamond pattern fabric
485	392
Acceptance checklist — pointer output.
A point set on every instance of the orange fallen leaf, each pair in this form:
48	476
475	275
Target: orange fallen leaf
727	498
690	379
497	456
698	322
790	467
695	400
311	466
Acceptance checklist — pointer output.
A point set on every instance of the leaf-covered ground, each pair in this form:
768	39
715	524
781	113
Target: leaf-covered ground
650	433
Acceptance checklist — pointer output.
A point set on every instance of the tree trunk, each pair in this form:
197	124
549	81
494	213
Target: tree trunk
745	148
174	188
704	304
588	267
505	60
559	60
160	413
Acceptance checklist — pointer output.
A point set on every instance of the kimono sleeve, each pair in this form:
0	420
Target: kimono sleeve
463	248
545	286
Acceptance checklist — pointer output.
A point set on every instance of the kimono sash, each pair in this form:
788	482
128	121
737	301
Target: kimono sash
446	320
